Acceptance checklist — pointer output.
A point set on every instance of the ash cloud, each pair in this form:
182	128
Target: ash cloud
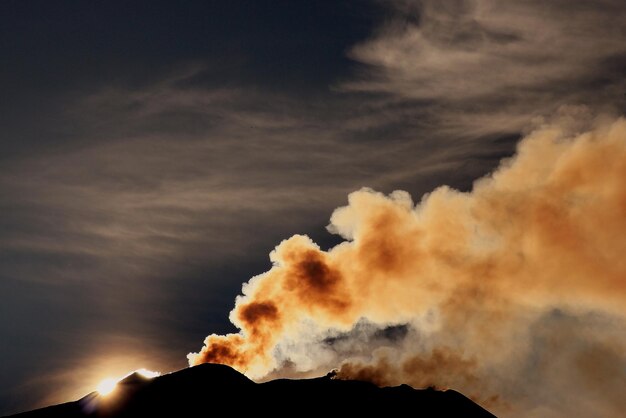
494	285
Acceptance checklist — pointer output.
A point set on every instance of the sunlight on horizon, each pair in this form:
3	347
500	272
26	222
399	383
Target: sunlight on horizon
108	385
148	374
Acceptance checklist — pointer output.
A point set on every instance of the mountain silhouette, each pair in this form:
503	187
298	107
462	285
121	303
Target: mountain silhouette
214	389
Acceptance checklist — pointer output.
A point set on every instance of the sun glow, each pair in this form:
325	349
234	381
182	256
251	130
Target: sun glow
106	386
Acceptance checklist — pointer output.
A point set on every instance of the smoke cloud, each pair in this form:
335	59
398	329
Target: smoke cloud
513	293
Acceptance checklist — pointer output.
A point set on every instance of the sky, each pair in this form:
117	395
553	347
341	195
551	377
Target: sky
153	154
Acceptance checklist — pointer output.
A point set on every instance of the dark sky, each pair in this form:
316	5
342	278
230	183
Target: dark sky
153	153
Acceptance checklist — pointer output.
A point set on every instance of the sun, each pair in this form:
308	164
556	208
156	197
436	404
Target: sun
106	386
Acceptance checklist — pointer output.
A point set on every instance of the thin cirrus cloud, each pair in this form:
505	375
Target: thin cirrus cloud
486	67
144	183
164	169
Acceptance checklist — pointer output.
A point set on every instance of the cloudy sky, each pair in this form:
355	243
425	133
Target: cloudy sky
153	153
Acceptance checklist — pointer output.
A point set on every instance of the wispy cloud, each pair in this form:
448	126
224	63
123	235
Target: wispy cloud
486	67
167	170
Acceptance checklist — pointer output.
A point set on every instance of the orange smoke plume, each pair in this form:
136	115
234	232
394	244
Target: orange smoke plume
546	229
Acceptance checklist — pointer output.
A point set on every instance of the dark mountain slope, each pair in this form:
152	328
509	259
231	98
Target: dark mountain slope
212	389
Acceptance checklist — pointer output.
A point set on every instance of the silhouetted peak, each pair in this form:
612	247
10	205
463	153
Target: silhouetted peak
208	388
134	379
208	374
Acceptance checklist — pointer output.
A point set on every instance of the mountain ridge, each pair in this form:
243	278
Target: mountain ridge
209	388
